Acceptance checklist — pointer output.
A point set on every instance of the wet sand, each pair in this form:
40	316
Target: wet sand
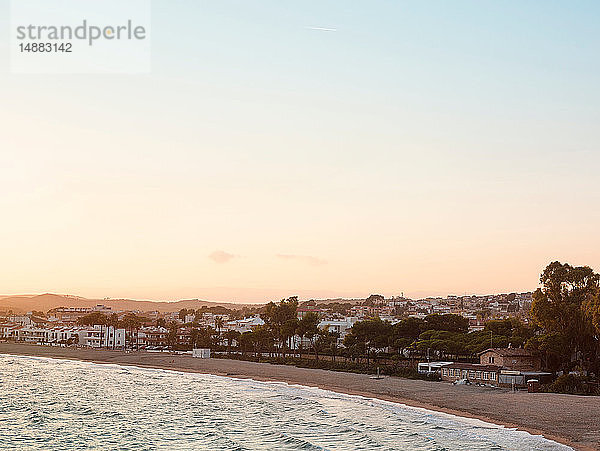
569	419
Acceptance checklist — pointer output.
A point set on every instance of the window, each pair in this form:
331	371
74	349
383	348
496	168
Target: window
445	372
471	374
486	376
478	375
493	376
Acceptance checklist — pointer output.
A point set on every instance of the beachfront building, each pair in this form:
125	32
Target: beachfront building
100	336
150	336
511	367
473	372
431	367
515	359
31	334
518	366
35	334
9	331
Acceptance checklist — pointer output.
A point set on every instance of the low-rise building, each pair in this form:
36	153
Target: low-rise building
431	367
100	336
511	359
473	372
245	324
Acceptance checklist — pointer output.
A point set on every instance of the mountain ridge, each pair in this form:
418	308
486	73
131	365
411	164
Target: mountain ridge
47	301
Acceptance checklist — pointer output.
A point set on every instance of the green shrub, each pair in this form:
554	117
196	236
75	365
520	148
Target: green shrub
573	384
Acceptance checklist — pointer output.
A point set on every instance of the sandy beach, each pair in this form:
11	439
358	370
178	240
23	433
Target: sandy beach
572	420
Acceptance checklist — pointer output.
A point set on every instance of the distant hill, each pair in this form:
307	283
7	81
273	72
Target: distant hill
45	302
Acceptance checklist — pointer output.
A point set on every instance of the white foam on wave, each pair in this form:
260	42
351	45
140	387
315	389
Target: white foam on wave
399	407
297	389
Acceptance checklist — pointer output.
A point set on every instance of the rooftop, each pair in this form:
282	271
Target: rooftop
509	352
472	366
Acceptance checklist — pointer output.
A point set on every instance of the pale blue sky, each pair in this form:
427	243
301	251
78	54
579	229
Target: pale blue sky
425	147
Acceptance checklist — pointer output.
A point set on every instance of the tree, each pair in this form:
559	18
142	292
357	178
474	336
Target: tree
561	309
203	337
172	335
308	327
324	340
374	299
369	334
193	337
92	319
592	310
282	321
130	322
408	328
262	339
405	332
219	323
246	342
550	347
230	336
449	322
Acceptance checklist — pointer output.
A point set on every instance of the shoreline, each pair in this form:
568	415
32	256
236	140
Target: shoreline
542	414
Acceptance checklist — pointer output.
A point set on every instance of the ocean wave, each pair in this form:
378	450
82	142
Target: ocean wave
109	405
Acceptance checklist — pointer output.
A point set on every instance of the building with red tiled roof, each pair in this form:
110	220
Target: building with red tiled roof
516	359
473	372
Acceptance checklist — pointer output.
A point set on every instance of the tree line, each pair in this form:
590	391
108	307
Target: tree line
566	314
563	327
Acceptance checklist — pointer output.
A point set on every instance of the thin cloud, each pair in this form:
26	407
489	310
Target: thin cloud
221	256
307	259
329	30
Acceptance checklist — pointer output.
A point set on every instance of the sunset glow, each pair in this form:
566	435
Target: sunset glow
428	150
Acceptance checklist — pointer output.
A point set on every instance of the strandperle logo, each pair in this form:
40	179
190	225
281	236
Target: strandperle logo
80	36
83	32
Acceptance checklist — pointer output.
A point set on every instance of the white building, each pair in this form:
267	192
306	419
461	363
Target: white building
244	325
102	337
20	319
340	326
34	334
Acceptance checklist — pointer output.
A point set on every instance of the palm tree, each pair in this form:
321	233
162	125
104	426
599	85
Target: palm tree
130	322
172	335
231	335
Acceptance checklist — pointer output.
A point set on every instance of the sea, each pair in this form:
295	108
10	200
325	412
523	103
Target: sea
49	404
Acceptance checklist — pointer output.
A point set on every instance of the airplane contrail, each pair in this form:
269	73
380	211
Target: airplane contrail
322	29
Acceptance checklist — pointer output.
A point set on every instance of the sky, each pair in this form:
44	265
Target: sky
311	148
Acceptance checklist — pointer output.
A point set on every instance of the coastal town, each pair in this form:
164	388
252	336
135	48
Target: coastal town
222	329
63	325
516	340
